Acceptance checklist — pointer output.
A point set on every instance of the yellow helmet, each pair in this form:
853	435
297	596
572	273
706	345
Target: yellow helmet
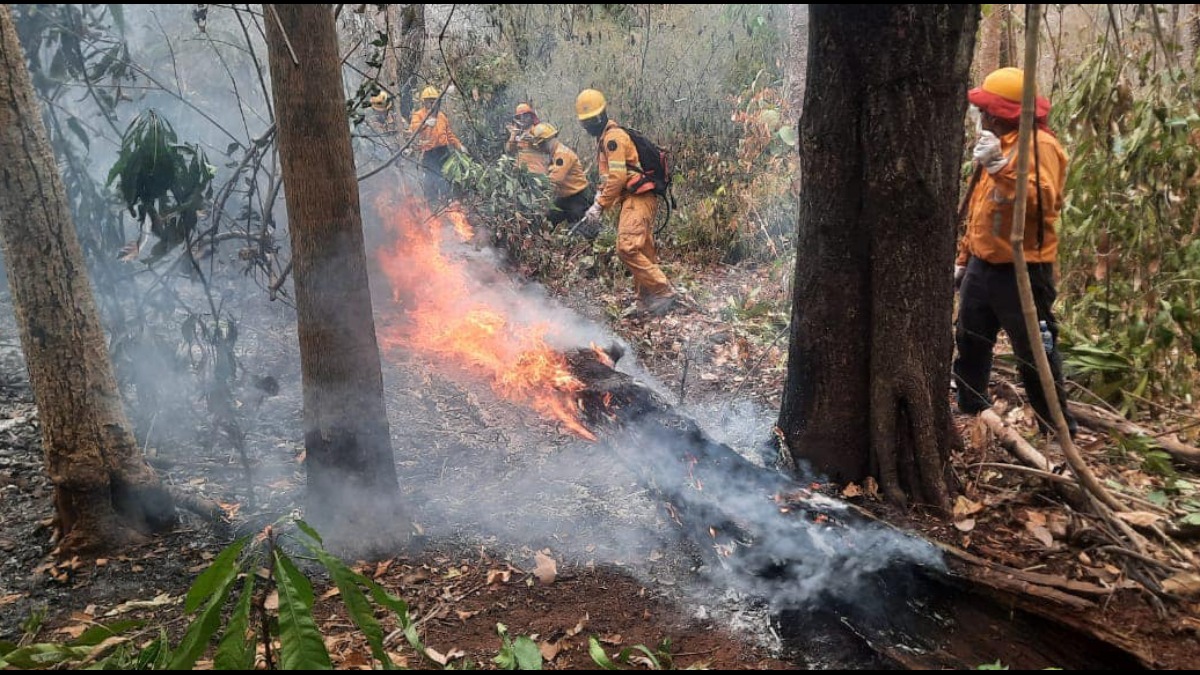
589	104
1007	83
540	133
523	108
381	101
429	92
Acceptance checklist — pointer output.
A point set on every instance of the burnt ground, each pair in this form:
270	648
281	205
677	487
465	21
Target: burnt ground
492	484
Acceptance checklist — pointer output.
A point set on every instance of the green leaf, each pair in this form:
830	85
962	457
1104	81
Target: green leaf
529	657
203	627
236	651
223	569
382	597
788	135
97	634
992	666
77	128
301	646
360	611
598	656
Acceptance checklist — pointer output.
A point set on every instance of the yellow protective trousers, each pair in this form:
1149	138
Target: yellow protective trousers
635	246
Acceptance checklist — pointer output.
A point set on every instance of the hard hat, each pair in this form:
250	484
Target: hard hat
589	104
429	92
523	109
381	101
1005	83
540	133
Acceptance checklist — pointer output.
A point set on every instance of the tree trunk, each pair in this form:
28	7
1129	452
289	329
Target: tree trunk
406	33
797	57
870	351
993	31
106	495
353	491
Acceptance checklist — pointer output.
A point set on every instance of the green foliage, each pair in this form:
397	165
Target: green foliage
659	658
519	654
992	666
1131	227
508	199
162	180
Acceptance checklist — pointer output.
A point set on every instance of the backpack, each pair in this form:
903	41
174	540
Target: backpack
656	168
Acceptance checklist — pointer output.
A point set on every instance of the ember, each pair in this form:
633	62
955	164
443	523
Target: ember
445	318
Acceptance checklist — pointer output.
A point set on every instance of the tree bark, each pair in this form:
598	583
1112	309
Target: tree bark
870	339
106	496
797	57
353	492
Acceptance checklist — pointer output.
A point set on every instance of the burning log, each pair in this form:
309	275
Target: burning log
837	575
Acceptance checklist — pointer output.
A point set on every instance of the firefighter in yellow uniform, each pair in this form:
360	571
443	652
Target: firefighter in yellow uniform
434	139
383	117
520	143
617	160
571	198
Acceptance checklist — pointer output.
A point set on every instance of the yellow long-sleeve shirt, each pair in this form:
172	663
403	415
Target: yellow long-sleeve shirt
566	172
617	156
434	136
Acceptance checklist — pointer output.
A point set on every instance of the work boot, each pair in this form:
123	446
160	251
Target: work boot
661	306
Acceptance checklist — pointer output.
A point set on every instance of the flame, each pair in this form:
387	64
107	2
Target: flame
462	226
603	356
447	317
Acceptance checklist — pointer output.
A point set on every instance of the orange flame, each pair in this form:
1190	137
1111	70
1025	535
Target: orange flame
448	318
462	226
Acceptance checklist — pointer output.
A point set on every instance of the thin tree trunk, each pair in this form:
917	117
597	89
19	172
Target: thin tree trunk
871	342
797	57
105	493
353	491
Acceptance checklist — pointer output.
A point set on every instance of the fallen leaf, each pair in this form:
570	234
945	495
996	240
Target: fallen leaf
1041	534
272	602
101	562
966	507
1034	518
1139	518
159	600
579	626
614	639
10	598
463	616
851	491
443	659
330	593
872	488
73	631
655	556
382	567
965	525
1185	583
549	650
546	570
498	576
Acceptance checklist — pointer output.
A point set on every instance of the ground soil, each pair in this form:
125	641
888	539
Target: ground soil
493	485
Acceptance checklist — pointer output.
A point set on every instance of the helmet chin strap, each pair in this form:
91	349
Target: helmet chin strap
595	125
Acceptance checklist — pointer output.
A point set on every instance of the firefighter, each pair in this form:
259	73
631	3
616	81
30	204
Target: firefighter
383	118
617	160
519	141
571	193
984	269
434	140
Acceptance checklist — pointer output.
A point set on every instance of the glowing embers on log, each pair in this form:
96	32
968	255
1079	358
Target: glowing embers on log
447	316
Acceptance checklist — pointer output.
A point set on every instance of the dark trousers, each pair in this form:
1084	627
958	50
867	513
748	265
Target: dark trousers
433	183
571	209
988	301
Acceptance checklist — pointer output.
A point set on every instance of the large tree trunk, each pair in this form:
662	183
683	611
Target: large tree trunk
353	491
797	57
105	493
406	36
870	340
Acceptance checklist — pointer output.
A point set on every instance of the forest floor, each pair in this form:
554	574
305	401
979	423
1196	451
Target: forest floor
496	489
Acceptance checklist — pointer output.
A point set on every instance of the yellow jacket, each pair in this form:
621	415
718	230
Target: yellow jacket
566	173
989	224
527	156
616	157
436	136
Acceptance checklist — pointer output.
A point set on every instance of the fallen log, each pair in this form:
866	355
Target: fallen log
825	566
1103	420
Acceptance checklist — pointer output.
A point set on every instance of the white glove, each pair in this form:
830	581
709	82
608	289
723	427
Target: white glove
593	213
430	121
988	153
960	271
